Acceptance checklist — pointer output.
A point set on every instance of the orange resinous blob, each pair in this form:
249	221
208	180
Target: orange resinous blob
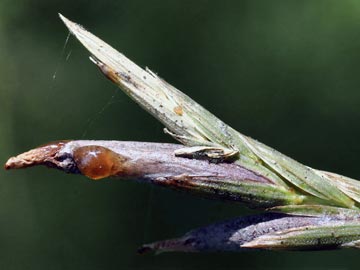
97	162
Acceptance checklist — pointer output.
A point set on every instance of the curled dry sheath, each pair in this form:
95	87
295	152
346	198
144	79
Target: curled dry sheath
307	208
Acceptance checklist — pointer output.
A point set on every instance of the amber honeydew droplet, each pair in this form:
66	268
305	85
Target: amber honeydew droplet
97	162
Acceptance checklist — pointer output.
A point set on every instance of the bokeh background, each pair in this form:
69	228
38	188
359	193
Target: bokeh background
283	72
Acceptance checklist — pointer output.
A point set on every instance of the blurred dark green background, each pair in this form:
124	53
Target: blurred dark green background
283	72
